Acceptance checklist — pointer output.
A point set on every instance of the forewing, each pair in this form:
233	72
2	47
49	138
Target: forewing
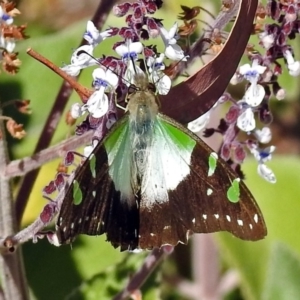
199	203
103	208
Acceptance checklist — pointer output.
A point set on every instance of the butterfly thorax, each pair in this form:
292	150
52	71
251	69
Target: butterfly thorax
143	110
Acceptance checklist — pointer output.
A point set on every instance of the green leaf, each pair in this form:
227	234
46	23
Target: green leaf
283	274
53	272
114	279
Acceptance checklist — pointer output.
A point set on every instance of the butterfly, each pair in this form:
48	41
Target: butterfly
152	182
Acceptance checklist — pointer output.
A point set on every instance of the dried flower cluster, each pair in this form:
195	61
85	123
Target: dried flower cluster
9	34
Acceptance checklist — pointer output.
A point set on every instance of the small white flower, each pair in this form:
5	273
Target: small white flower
262	155
129	50
246	121
104	80
129	53
8	44
267	40
93	36
293	66
97	104
156	63
254	95
75	111
266	173
264	135
5	17
162	82
252	73
81	58
294	69
172	51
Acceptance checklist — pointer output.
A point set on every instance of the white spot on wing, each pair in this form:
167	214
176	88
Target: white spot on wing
216	216
204	216
152	234
167	227
228	218
251	227
72	225
209	192
255	218
79	221
240	222
87	218
194	220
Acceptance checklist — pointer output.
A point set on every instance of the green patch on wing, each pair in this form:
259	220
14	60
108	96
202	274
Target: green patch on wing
233	193
118	147
182	139
92	160
212	163
115	136
77	193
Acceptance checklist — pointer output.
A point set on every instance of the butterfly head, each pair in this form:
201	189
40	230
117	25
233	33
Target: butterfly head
142	98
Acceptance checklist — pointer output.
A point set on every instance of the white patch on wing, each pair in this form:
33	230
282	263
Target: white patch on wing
168	164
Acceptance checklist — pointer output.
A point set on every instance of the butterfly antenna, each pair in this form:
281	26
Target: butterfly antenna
133	63
173	67
107	67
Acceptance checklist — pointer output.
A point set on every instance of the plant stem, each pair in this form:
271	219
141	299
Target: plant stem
13	279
